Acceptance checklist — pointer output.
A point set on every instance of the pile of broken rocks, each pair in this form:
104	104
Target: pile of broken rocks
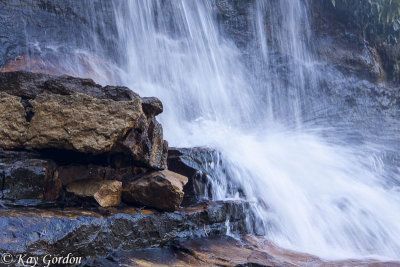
83	170
71	142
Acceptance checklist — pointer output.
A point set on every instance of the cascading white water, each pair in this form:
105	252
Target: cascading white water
263	110
309	193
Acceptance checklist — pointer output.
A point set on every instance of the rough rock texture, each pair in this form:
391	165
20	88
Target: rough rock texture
79	122
70	173
59	232
77	114
13	124
145	144
28	85
106	192
343	48
22	176
161	190
32	25
152	106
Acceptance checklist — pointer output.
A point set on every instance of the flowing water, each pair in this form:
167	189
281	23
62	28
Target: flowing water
262	107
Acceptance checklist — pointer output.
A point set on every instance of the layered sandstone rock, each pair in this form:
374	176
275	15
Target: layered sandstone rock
77	114
79	122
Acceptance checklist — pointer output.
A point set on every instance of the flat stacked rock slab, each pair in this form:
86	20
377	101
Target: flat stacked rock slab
59	232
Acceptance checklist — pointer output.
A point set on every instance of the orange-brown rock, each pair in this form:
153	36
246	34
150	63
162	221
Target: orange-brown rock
13	125
76	122
106	192
80	122
162	190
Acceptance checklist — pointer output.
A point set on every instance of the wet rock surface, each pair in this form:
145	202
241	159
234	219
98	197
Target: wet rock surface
23	176
190	163
28	25
28	85
343	48
225	251
92	234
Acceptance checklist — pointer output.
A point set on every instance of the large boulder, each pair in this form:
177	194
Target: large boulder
77	114
162	190
79	122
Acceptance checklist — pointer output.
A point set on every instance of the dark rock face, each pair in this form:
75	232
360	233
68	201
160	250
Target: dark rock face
180	161
23	175
28	85
152	106
207	251
194	164
40	232
136	134
225	251
107	193
144	144
233	17
26	23
344	48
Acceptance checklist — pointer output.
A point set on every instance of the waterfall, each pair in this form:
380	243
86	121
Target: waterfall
308	193
262	107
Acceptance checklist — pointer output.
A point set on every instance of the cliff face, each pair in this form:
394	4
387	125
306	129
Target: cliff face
369	25
42	36
26	25
53	37
376	22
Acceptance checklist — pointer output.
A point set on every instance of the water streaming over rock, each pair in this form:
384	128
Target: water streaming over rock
308	194
262	103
